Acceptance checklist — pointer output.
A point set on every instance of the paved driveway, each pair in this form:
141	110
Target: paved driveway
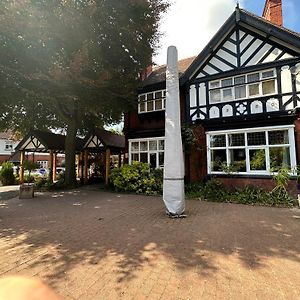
97	245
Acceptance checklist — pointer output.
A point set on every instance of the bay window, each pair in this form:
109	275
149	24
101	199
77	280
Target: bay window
252	151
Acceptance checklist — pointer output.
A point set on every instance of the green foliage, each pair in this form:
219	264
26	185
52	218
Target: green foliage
73	64
30	166
137	178
29	178
214	190
7	174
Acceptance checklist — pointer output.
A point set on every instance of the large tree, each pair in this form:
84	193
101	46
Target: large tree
73	63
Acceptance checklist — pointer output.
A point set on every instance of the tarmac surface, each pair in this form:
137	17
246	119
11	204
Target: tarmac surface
90	244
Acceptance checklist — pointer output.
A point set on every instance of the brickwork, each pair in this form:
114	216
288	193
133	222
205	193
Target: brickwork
96	245
273	11
198	156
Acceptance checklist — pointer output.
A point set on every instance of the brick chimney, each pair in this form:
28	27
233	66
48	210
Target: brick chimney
273	11
146	72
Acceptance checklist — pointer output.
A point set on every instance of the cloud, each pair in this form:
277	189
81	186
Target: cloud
190	24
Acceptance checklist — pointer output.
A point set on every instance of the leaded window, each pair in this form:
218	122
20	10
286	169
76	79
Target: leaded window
252	151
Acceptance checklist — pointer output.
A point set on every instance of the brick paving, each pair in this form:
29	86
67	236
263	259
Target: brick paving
90	244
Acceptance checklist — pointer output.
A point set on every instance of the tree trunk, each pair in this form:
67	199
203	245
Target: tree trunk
70	148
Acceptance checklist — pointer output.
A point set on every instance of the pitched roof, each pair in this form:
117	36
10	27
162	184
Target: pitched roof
242	16
159	73
109	139
49	141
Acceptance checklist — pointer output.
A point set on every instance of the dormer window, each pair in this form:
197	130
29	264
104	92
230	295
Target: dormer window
152	101
242	87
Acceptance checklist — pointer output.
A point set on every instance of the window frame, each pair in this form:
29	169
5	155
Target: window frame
267	146
148	140
153	100
246	84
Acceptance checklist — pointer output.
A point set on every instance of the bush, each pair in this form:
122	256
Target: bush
29	178
137	178
214	190
7	174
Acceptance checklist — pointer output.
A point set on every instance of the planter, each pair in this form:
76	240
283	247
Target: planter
26	191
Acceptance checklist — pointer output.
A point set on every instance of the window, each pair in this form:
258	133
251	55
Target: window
8	146
150	150
251	151
153	101
43	163
244	86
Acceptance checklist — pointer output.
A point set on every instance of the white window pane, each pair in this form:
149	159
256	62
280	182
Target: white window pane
214	84
236	139
150	96
142	97
144	157
277	137
152	145
215	96
153	160
143	146
257	159
237	158
253	77
240	92
158	95
135	146
227	94
218	140
134	157
267	74
256	138
150	106
142	106
226	82
268	87
218	159
253	89
158	104
161	145
279	158
240	80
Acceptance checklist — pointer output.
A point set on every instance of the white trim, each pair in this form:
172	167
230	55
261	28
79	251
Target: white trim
148	151
266	147
163	99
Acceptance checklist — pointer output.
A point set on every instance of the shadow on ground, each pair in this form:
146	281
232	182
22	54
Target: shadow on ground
57	232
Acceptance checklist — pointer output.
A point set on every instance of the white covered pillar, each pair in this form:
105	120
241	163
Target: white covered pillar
173	185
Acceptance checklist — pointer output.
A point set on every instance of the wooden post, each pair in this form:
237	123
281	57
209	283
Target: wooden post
82	167
86	166
22	158
107	165
78	165
54	167
51	166
120	160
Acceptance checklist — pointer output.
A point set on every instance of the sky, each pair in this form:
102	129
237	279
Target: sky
190	24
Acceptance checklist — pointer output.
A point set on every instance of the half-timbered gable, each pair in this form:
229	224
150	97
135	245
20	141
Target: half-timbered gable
248	68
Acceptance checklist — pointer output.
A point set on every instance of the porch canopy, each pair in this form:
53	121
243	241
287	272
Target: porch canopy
44	142
103	141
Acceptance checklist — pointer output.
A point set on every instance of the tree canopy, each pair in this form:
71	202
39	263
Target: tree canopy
73	63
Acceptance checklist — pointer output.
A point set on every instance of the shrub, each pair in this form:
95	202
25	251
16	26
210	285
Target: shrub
212	190
7	174
137	178
29	178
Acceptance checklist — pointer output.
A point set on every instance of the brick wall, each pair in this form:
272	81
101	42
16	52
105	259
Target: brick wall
198	156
